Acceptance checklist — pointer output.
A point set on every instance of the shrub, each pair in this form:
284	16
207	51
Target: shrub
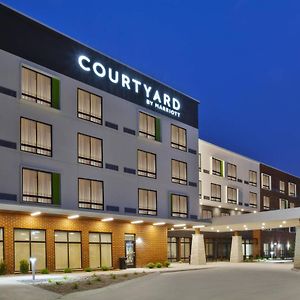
150	265
166	264
75	286
113	276
88	269
158	265
65	277
104	268
24	266
125	275
58	282
2	268
45	271
98	278
50	280
68	270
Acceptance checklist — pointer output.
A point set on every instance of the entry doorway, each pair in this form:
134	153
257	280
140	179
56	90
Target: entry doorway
130	253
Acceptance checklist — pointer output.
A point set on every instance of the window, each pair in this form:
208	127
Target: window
231	171
30	243
266	181
200	189
292	205
207	214
292	189
282	187
215	192
172	249
90	193
217	167
147	202
1	245
67	250
37	186
199	162
40	88
89	150
179	206
89	106
178	138
185	249
36	137
252	199
146	164
253	178
266	202
100	249
179	172
283	204
149	127
225	214
231	195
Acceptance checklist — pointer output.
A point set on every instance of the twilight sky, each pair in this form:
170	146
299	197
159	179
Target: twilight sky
240	58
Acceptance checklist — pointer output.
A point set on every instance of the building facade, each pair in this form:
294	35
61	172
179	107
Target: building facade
84	138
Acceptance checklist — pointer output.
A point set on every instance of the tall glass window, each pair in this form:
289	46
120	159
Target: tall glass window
30	243
146	164
89	150
67	250
89	106
147	126
36	137
231	171
178	138
1	245
147	202
179	172
215	192
172	248
185	249
252	199
179	206
232	195
253	178
100	249
283	204
36	87
90	193
37	186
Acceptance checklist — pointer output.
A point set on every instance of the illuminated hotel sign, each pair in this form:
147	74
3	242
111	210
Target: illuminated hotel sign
153	97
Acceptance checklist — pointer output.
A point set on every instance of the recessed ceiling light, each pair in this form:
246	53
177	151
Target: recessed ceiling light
236	208
172	229
230	229
280	225
159	223
227	227
34	214
245	225
263	227
242	209
283	222
255	212
73	217
218	230
137	222
220	206
107	219
263	224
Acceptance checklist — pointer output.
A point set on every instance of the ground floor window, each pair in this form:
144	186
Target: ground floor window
247	248
100	249
172	248
185	249
30	243
67	250
1	245
209	248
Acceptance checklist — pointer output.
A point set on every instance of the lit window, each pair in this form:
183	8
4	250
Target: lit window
178	138
252	199
292	189
231	171
253	178
283	204
146	164
266	202
266	181
147	126
147	202
207	214
179	172
36	137
179	206
215	192
217	167
89	106
100	249
282	187
231	195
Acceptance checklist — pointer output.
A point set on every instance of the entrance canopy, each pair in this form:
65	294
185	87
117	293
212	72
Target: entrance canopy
253	221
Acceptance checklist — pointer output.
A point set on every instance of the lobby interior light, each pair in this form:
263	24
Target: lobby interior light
107	219
36	213
159	223
137	222
73	217
283	222
179	225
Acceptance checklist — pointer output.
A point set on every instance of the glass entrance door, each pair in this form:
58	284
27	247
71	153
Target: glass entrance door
130	250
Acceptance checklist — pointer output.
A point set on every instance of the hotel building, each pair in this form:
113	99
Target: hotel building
97	160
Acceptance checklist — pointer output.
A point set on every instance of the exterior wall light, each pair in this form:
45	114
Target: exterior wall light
159	223
34	214
73	217
139	240
137	222
107	219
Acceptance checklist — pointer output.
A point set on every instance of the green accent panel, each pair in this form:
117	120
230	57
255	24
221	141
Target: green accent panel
223	168
56	188
157	130
55	93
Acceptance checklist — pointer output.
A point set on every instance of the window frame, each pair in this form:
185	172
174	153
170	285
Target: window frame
290	184
3	245
282	191
90	160
146	173
251	204
206	210
286	203
147	210
177	145
90	116
178	214
234	178
214	172
213	198
179	180
32	98
264	206
36	147
231	201
91	203
37	196
250	181
269	188
148	135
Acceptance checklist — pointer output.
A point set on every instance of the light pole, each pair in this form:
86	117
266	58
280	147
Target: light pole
33	261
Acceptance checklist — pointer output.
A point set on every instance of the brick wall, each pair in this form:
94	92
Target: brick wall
153	247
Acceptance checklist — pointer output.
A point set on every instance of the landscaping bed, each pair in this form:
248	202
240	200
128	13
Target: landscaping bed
68	285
